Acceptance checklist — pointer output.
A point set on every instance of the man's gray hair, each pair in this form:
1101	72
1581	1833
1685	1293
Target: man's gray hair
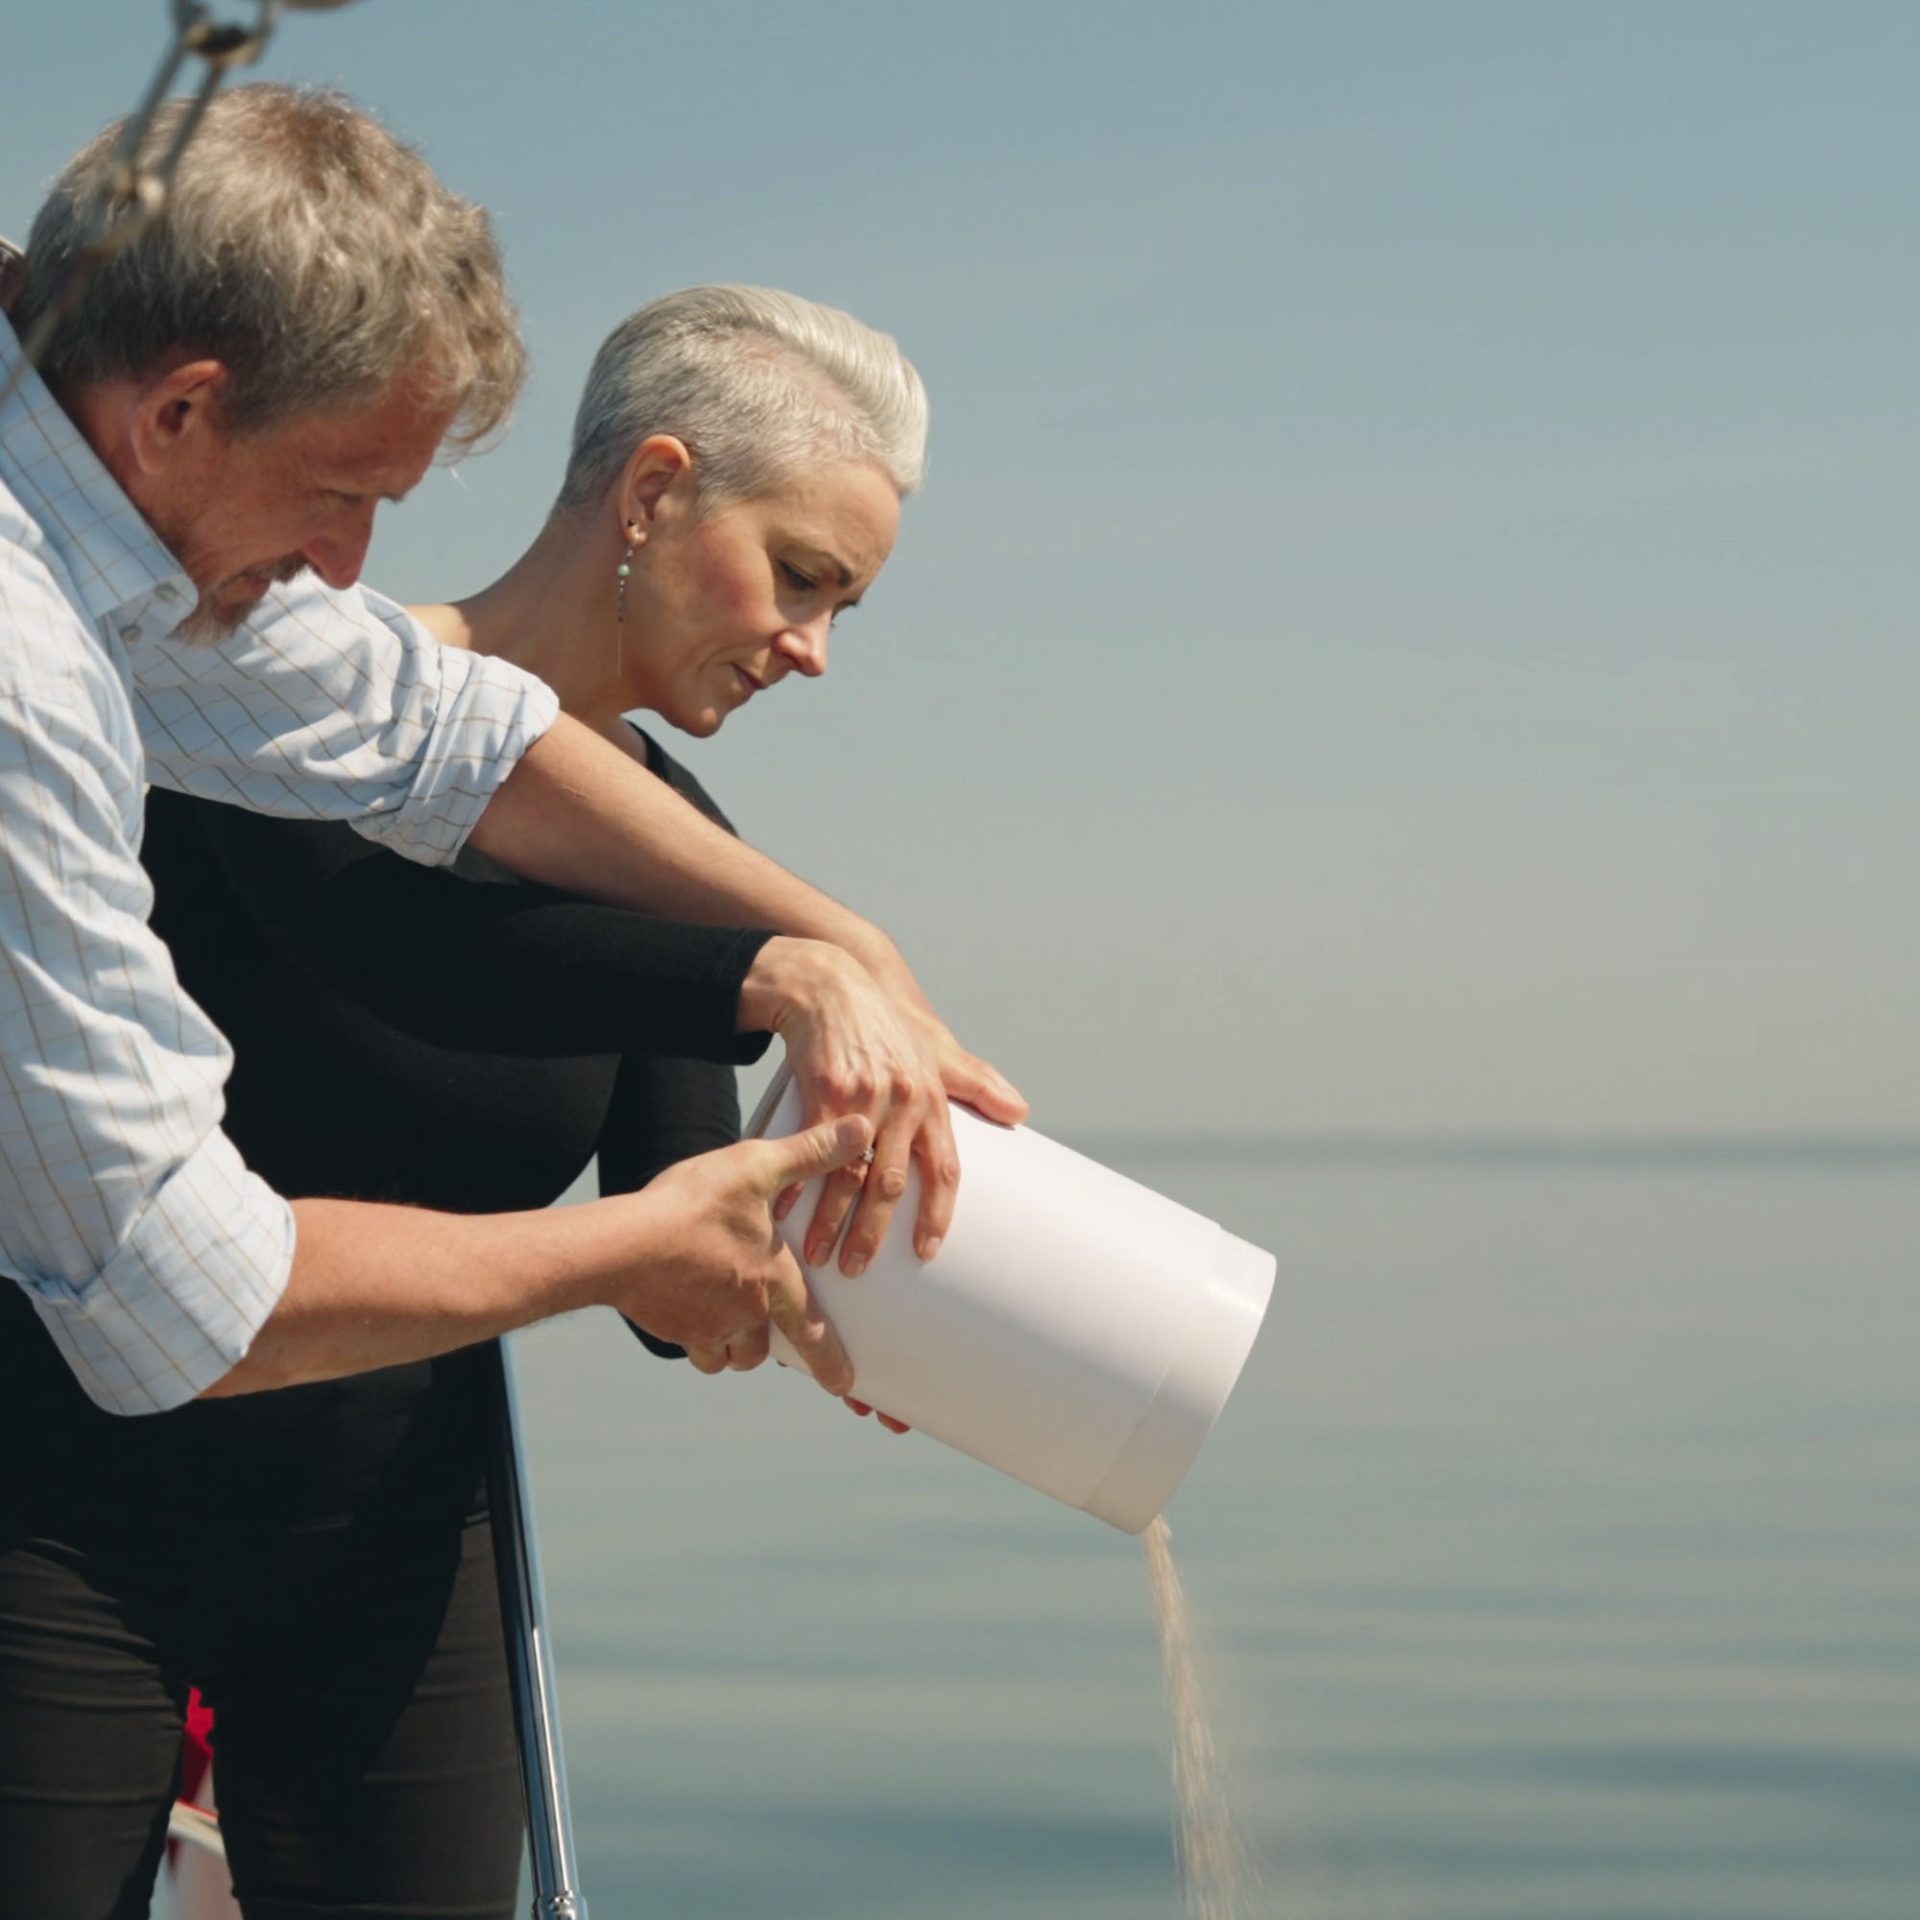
303	246
757	383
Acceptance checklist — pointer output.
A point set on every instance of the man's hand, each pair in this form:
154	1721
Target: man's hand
857	1047
729	1277
580	814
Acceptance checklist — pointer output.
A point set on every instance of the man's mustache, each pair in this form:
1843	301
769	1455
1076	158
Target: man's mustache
209	621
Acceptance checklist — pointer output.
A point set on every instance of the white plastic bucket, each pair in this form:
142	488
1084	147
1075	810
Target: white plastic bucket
1076	1330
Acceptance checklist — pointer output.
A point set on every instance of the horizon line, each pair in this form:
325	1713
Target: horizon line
1861	1147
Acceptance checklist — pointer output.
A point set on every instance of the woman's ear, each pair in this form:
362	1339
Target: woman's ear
659	465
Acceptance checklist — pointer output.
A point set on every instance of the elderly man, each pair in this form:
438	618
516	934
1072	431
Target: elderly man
292	345
288	347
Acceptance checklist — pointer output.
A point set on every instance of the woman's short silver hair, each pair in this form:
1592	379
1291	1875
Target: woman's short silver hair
758	384
303	246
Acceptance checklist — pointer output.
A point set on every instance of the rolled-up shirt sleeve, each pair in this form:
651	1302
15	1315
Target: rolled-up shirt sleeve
148	1249
203	1264
339	706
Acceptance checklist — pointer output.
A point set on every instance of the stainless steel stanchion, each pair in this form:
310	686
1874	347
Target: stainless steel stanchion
523	1613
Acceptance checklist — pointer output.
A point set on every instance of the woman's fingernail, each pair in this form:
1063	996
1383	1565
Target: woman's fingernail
854	1265
929	1246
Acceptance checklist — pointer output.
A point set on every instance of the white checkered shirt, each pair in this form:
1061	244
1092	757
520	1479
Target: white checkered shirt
150	1251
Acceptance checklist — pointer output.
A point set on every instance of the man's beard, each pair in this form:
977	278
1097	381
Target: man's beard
210	620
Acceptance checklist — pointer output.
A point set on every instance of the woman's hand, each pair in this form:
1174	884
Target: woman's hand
866	1412
967	1078
974	1082
854	1047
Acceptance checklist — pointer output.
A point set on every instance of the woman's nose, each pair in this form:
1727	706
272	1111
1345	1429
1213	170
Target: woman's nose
805	648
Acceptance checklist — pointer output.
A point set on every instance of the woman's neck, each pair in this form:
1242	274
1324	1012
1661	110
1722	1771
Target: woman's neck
552	612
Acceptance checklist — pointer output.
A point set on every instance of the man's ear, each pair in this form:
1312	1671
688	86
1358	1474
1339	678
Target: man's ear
659	464
172	412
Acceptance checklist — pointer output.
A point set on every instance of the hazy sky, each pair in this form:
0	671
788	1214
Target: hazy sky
1410	623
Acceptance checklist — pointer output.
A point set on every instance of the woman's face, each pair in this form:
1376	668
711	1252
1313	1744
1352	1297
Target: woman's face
724	605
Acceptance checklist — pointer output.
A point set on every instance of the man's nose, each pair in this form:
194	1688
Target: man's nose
338	554
805	648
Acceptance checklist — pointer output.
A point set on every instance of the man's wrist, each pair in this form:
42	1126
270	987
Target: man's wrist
886	964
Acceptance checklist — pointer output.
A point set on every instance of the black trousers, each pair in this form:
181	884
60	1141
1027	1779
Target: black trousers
319	1564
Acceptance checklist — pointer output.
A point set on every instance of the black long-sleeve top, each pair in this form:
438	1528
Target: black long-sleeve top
403	1034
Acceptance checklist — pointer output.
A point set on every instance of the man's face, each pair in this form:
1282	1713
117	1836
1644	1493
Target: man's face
240	511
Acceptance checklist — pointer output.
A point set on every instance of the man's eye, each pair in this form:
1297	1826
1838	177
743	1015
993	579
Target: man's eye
796	578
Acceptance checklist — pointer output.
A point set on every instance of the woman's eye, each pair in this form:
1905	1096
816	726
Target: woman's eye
796	578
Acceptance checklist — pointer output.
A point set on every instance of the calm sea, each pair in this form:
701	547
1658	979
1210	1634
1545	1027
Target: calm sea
1558	1558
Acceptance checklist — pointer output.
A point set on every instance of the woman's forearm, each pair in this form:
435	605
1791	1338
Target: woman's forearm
580	814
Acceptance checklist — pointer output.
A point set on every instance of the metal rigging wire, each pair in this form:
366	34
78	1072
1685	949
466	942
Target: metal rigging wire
138	182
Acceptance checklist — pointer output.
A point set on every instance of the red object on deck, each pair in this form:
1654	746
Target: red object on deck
196	1750
196	1760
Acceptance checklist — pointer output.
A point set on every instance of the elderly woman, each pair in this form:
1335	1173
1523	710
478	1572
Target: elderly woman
400	1034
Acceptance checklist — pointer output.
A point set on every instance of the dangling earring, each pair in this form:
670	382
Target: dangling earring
636	537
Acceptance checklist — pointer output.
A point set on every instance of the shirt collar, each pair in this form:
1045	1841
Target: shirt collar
116	561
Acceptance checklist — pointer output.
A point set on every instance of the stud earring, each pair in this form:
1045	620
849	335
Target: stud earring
636	537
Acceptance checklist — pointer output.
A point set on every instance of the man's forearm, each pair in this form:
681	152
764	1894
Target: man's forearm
694	1259
379	1286
578	813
